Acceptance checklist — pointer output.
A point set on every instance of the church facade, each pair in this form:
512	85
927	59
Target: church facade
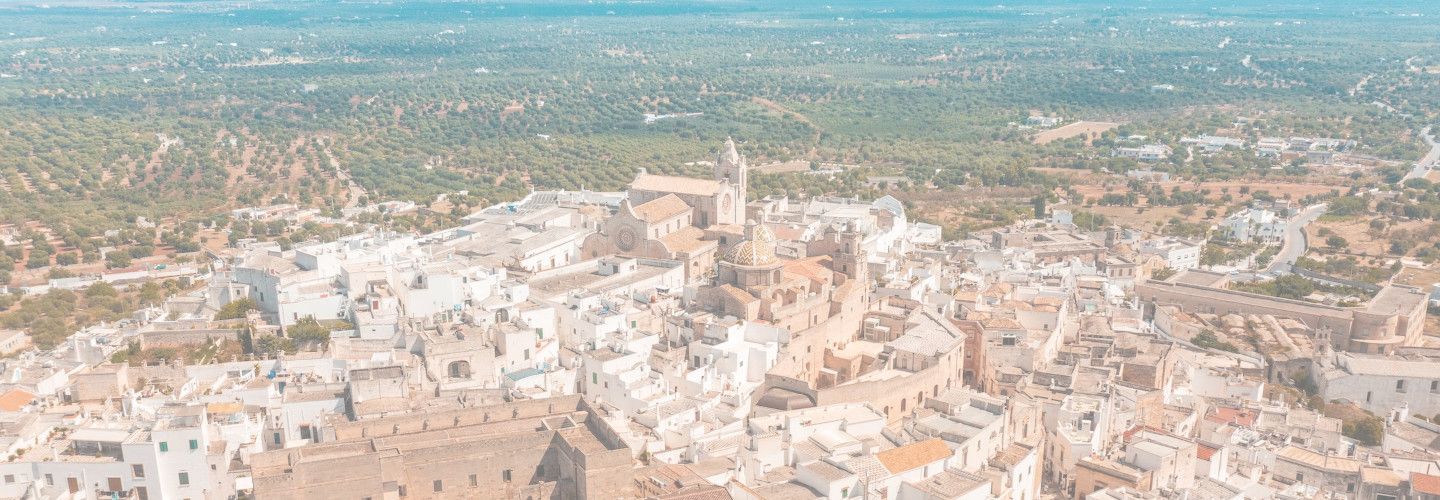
678	218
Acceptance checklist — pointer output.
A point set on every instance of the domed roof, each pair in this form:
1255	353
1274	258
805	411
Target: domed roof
763	233
758	249
753	253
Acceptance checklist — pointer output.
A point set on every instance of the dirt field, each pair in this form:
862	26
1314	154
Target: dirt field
1356	231
1077	129
1117	184
1415	276
1146	218
784	166
1076	176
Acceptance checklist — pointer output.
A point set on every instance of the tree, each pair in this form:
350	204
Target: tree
117	260
1291	286
236	309
308	329
1336	242
1369	431
101	289
150	293
271	344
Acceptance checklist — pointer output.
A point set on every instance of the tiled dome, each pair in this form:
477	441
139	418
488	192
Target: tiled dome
757	250
753	253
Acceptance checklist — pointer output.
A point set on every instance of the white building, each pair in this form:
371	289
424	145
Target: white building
1148	152
1177	253
1381	384
1255	226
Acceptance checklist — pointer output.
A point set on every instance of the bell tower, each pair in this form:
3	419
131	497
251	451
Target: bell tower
730	169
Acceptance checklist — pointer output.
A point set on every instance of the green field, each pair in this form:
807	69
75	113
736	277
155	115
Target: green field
417	99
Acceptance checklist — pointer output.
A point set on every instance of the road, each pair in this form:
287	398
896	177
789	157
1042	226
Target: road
1294	244
356	192
1291	248
1430	159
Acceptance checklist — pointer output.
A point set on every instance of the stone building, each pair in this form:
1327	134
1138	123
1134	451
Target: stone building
545	448
1394	318
662	228
720	200
677	218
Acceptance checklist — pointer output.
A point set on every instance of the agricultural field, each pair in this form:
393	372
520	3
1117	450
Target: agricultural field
173	113
1089	131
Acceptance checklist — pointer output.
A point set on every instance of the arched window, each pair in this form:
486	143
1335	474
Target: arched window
460	369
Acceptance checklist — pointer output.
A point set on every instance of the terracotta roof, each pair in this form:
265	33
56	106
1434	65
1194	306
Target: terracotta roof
999	289
1205	451
224	408
1243	417
15	399
672	184
686	239
915	455
786	232
662	208
1319	460
739	295
1425	483
998	323
1375	475
812	268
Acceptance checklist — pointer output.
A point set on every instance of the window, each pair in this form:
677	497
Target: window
305	432
184	478
505	475
474	480
49	480
594	377
9	479
194	444
1400	385
276	438
164	446
138	470
540	333
439	485
1435	386
402	490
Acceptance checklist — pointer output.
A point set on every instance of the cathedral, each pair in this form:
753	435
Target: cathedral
720	200
734	263
678	218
